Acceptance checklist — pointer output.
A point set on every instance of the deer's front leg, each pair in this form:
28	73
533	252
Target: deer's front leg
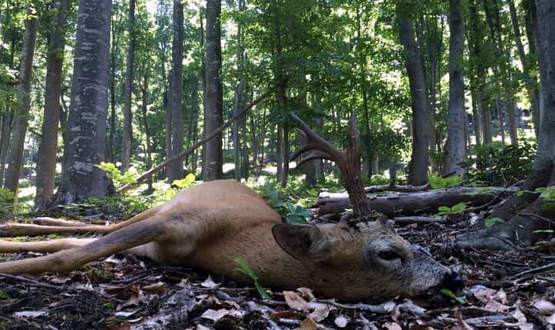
149	230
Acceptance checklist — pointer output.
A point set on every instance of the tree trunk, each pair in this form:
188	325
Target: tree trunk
46	164
128	92
531	31
148	142
213	113
239	96
86	123
527	218
480	71
7	123
21	115
175	119
421	124
455	148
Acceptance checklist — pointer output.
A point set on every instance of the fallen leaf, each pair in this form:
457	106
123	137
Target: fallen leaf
341	321
215	315
544	306
494	300
158	288
392	326
521	320
308	324
306	293
209	283
320	311
31	314
294	301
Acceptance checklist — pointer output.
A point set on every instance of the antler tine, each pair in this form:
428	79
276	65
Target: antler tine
312	142
348	163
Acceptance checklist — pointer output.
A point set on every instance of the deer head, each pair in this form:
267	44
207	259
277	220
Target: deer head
358	257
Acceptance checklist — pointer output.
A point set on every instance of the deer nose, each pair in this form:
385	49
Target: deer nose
452	281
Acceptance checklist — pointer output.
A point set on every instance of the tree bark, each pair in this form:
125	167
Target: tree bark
86	124
175	120
525	217
410	203
148	139
455	148
421	124
480	71
213	113
46	164
531	31
127	137
21	116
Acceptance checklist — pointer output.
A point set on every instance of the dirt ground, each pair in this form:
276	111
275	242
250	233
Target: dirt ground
504	290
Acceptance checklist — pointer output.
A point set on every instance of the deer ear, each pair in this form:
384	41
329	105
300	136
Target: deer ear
302	241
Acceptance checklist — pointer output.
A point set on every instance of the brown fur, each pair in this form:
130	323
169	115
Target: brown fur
212	224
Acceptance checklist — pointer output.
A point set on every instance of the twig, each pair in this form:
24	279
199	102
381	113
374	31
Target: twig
416	219
191	149
537	216
533	271
30	281
378	309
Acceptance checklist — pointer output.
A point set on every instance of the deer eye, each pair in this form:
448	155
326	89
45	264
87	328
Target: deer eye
388	255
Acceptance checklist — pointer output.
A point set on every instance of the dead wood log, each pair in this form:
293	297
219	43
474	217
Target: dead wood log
411	203
397	188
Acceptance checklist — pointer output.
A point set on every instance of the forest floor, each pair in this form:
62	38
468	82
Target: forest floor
503	290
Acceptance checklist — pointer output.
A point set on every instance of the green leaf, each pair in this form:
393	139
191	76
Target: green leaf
243	267
448	293
490	222
186	182
544	231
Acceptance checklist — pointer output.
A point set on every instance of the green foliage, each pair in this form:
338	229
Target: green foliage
438	182
184	183
292	213
119	179
547	193
453	210
4	295
6	201
450	294
501	165
490	222
243	267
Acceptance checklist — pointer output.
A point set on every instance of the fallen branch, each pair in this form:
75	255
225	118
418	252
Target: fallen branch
195	146
389	187
417	219
411	203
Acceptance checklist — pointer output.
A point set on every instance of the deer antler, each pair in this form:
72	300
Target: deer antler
348	162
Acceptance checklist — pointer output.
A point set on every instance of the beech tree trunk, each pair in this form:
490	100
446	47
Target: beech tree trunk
476	46
455	149
213	112
127	137
527	216
531	31
421	121
21	115
174	122
86	123
46	164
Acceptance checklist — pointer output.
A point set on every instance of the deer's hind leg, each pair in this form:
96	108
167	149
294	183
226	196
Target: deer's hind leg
50	246
131	236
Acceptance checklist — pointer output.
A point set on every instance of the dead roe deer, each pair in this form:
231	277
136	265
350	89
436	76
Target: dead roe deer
209	225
